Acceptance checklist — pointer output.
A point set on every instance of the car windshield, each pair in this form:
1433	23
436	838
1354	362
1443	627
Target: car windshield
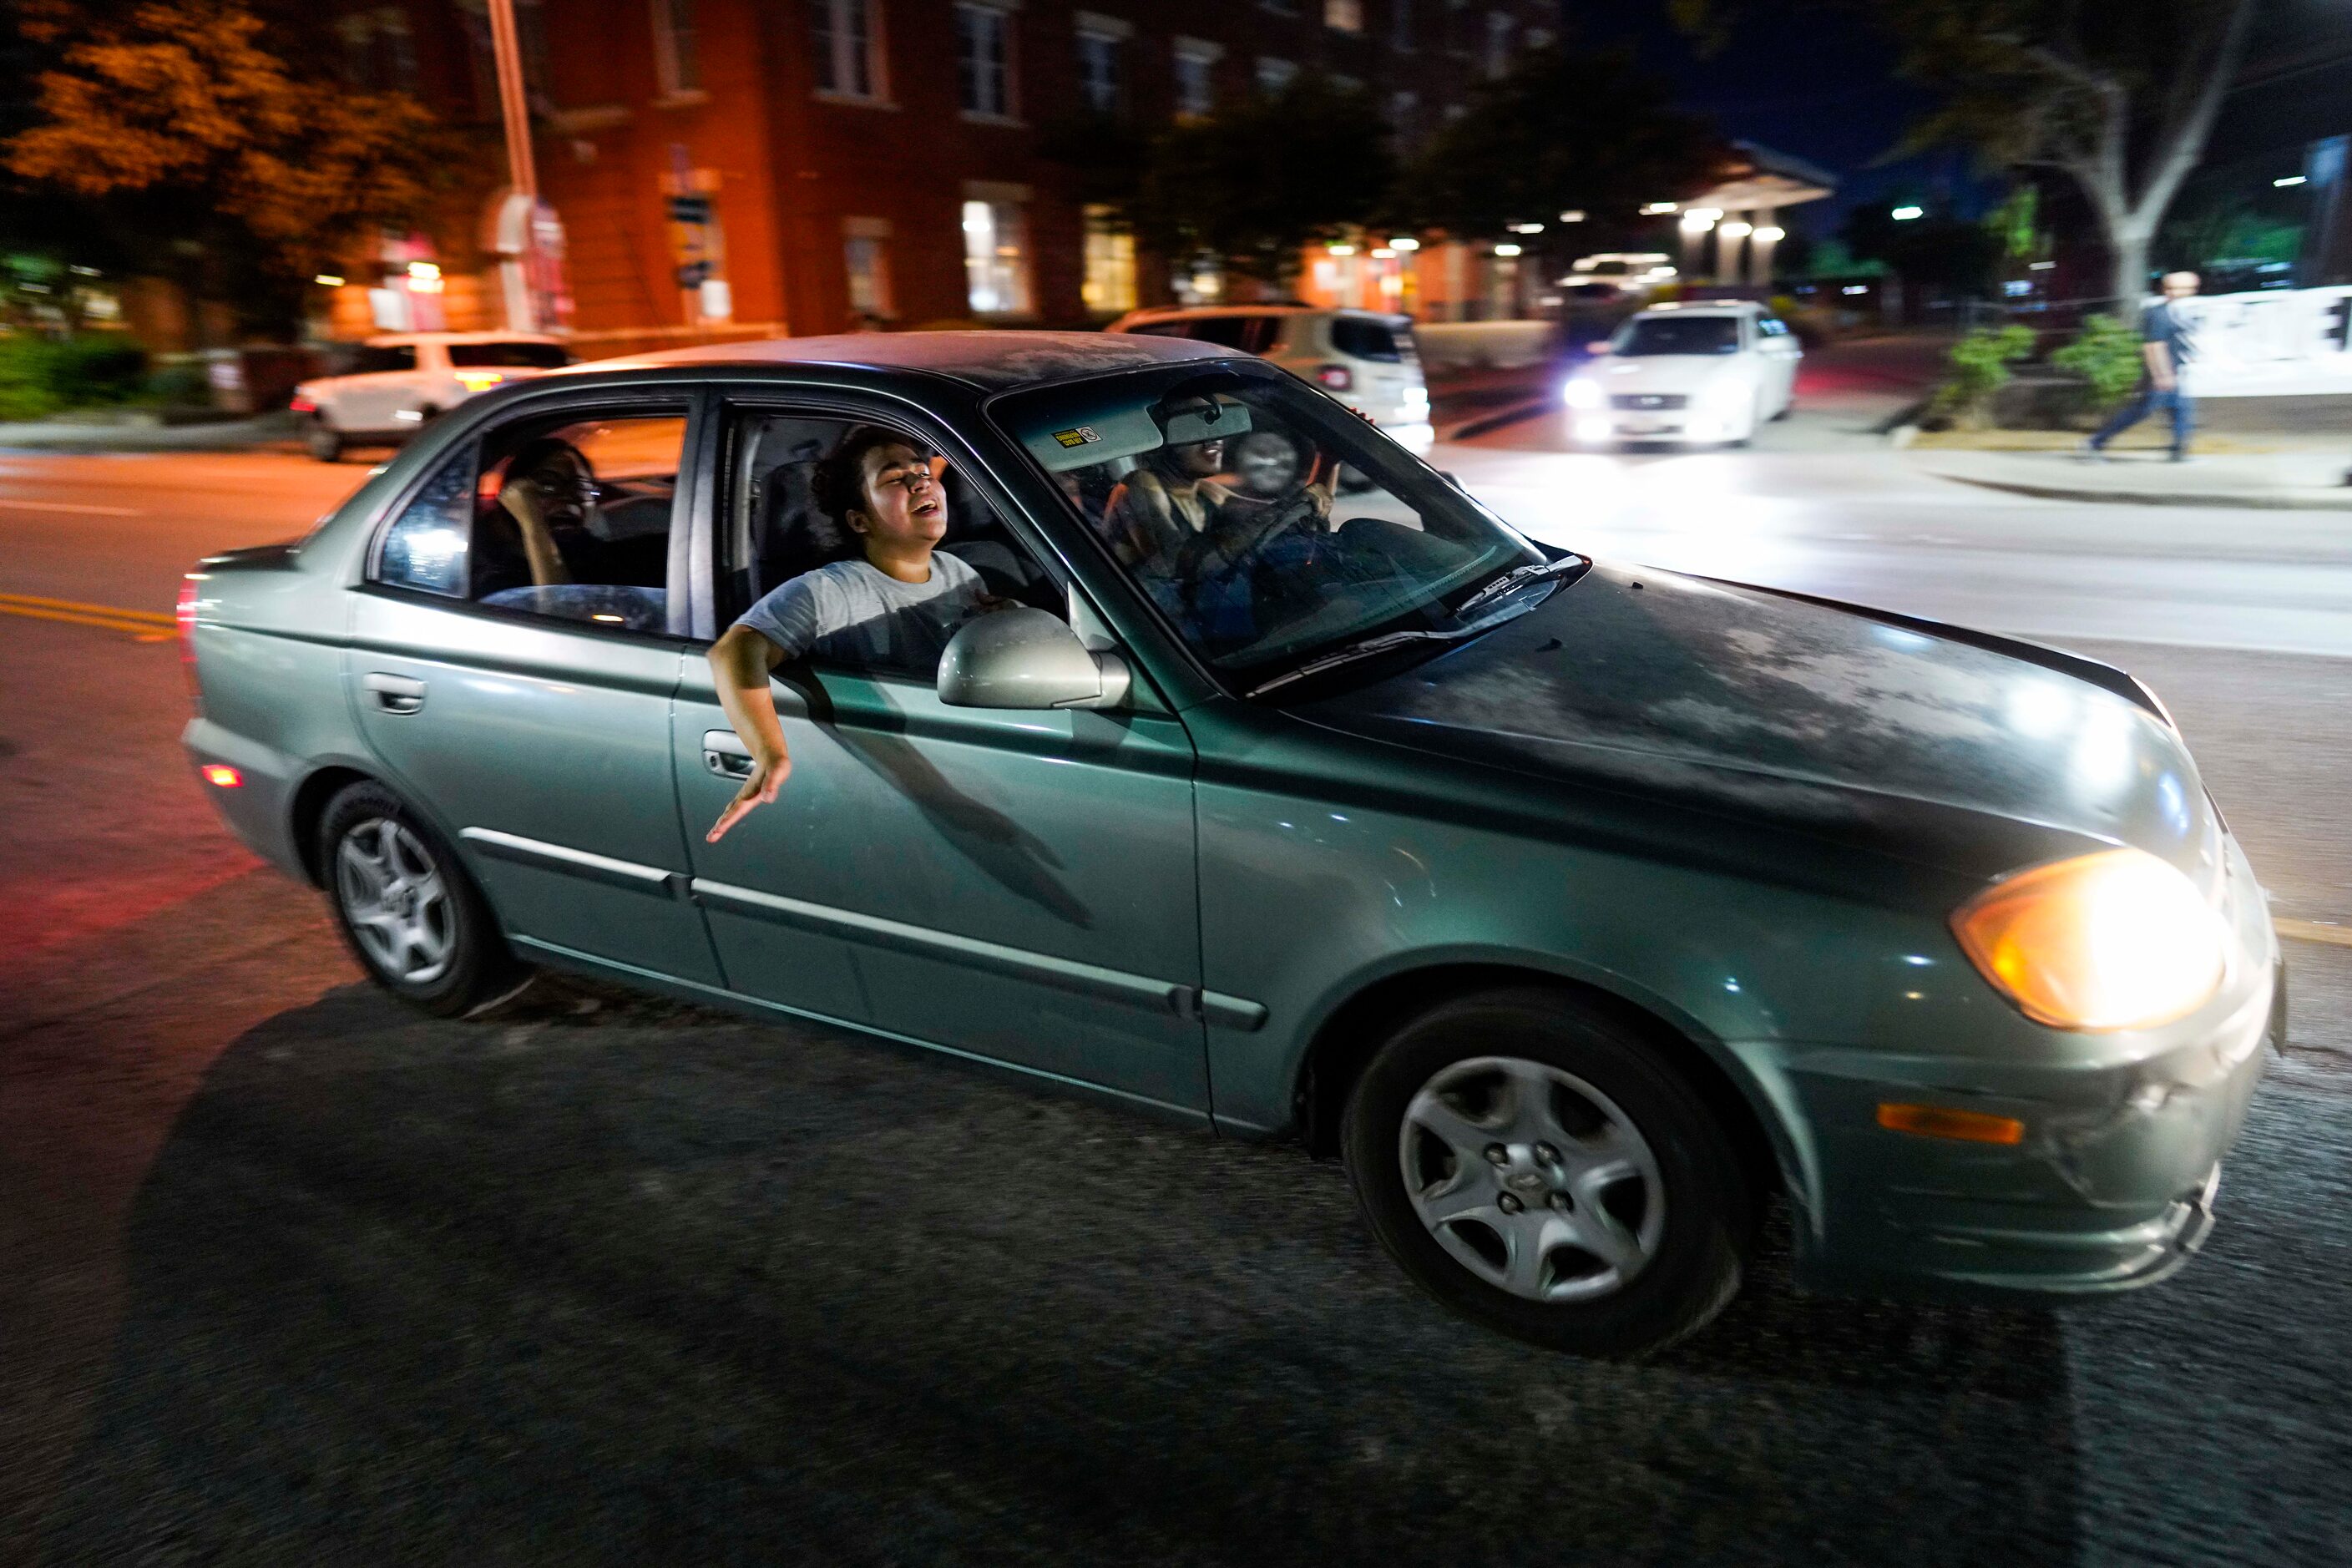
518	355
1269	525
1680	335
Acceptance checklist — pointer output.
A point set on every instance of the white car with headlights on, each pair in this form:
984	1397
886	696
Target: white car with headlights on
1706	372
397	383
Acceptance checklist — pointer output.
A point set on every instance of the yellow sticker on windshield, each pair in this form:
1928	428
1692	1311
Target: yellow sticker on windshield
1078	436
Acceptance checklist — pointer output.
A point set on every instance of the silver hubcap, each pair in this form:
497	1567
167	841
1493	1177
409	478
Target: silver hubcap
1532	1179
395	901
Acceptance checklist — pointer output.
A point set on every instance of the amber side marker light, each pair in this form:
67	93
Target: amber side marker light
223	776
1937	1121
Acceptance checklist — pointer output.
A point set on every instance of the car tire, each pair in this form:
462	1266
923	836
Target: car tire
406	907
324	441
1648	1176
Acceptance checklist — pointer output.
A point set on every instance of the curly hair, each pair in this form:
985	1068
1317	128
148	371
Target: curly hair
838	486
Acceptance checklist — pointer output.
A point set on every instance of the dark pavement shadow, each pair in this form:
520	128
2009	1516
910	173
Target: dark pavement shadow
602	1279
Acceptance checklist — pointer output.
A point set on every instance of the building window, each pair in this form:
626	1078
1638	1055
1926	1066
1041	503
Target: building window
865	251
1109	286
1196	80
842	35
1401	25
379	51
1498	44
995	256
1344	16
1280	7
676	69
985	60
1274	75
1100	79
1404	117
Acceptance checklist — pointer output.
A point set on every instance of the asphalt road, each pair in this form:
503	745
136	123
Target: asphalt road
287	1274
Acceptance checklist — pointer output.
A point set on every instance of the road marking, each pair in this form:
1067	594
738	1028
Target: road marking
144	625
71	506
2328	931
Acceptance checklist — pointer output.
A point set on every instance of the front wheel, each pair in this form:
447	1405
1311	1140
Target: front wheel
406	907
1539	1168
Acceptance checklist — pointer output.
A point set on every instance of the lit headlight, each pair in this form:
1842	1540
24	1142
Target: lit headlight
1581	394
2117	939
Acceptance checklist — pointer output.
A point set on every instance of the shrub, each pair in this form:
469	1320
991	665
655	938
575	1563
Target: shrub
40	376
2107	355
1981	363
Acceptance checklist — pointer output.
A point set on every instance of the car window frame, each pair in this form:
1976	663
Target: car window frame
691	400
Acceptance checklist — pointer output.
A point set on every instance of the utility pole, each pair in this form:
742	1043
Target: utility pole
514	106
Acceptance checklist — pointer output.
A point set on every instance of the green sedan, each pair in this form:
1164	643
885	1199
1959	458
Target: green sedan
1135	717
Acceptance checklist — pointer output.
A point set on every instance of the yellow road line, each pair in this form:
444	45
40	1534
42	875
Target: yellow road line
2327	931
141	631
157	618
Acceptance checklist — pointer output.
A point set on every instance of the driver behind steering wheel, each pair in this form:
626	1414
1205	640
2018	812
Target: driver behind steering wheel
1266	525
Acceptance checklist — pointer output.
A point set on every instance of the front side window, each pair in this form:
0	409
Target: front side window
842	39
512	355
996	258
1646	335
802	492
561	517
866	255
985	60
383	358
1269	526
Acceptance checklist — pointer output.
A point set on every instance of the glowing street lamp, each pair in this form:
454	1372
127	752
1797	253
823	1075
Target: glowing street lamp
1905	213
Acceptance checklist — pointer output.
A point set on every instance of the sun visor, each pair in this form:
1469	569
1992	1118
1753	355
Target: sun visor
1094	432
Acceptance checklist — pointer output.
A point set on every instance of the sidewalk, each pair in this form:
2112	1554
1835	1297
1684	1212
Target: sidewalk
131	434
2304	477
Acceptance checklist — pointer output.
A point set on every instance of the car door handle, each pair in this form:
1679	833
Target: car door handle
724	754
396	693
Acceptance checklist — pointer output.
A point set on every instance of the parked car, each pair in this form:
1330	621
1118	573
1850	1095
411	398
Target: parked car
1706	371
1366	360
1578	908
398	383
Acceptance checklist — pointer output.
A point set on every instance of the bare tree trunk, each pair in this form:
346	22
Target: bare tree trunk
2131	222
2127	281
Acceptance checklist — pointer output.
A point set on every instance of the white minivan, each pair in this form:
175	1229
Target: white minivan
398	382
1363	358
1704	371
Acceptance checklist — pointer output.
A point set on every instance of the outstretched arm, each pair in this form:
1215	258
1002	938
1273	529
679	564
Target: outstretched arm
523	502
740	665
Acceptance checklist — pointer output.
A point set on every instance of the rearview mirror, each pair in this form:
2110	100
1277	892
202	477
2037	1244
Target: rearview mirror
1025	658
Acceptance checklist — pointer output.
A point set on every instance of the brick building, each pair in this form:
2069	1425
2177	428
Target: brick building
723	167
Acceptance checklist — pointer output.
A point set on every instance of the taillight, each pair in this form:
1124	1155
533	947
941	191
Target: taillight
479	380
184	612
1337	377
298	403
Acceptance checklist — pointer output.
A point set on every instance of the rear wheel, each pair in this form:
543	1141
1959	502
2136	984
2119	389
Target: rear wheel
406	907
324	441
1535	1167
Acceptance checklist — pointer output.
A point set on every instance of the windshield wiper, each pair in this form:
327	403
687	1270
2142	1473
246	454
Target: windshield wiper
1387	642
1513	578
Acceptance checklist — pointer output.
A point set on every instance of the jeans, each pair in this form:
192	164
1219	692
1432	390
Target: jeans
2145	402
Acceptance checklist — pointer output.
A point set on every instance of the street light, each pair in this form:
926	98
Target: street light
1905	213
1736	229
1698	220
1573	215
2288	180
1404	242
1771	234
1507	250
1658	209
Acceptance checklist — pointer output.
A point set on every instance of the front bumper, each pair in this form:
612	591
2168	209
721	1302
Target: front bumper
2111	1187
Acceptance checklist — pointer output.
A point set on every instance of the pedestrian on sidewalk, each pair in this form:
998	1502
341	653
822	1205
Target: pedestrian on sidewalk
2167	343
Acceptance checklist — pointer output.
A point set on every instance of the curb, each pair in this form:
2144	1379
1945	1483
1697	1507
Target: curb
1486	424
2253	500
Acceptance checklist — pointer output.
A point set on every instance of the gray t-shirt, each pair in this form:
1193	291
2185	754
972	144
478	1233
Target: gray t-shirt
856	614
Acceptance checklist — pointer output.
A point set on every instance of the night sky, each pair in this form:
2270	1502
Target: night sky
1801	79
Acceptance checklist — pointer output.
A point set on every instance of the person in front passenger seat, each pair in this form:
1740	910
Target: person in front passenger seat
895	607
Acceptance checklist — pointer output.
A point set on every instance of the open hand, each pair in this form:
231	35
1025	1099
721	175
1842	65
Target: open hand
767	776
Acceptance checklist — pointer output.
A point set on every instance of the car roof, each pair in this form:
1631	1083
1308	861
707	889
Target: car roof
989	359
1699	307
1195	312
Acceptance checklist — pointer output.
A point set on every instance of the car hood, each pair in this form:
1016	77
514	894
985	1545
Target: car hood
1664	373
1804	715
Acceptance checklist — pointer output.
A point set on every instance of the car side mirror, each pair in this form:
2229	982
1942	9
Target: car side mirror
1025	658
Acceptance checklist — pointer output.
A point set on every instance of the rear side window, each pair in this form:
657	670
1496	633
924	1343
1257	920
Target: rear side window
524	356
1361	337
1250	334
1163	329
425	546
373	361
